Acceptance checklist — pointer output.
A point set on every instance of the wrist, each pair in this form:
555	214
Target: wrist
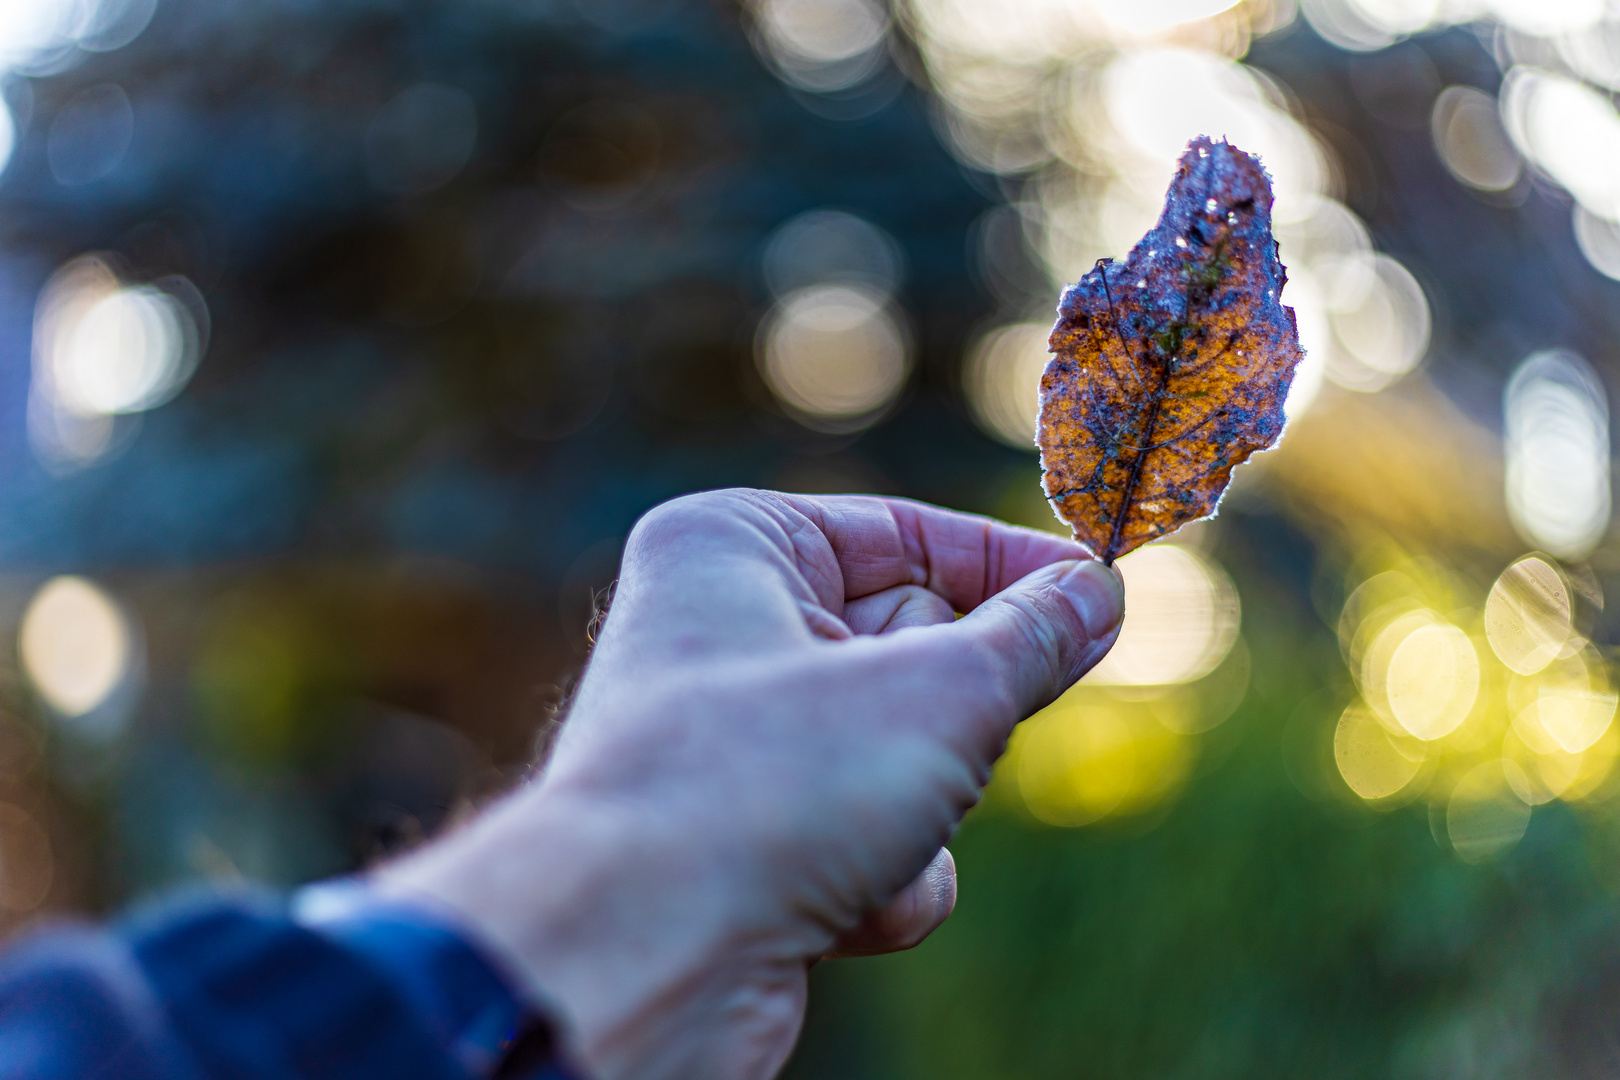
600	915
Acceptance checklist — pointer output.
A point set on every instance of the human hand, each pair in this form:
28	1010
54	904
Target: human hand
782	723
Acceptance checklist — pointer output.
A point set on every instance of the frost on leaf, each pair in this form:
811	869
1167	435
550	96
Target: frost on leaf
1171	368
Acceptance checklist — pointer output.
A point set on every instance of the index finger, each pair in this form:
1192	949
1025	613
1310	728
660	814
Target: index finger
966	558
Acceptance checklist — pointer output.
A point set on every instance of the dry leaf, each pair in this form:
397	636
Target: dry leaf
1173	368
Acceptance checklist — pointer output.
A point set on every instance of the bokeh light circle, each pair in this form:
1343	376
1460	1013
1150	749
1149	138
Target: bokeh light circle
1469	138
1380	318
27	865
1557	420
1527	615
1146	18
8	136
1546	18
1485	815
1433	680
1594	52
74	645
1599	240
110	348
1003	381
1075	766
103	348
1374	763
1574	704
823	45
1570	130
1540	775
124	354
834	355
90	135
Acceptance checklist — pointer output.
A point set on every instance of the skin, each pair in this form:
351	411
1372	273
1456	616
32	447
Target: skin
781	725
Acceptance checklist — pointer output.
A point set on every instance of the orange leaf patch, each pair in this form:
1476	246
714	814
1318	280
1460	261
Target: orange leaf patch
1172	368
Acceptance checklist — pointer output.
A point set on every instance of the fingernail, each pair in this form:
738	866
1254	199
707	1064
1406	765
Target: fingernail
1097	595
942	882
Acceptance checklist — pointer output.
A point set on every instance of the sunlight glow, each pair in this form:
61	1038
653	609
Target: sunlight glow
1156	99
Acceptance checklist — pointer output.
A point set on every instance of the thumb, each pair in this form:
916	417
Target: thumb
1045	631
910	916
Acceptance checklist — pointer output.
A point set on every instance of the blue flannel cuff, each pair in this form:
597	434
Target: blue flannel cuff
357	990
461	993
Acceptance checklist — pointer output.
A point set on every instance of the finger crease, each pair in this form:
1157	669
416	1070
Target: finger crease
990	551
915	550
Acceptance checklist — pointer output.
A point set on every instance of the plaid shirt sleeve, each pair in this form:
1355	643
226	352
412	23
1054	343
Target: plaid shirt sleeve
247	987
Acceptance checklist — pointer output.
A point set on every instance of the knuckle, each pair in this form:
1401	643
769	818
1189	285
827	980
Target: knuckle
680	515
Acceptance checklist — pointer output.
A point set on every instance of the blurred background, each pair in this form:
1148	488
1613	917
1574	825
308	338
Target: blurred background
342	342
